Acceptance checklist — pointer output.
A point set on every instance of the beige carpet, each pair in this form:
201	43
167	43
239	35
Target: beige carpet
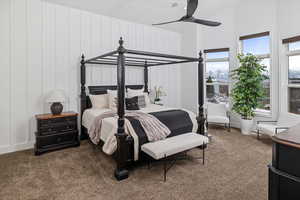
236	169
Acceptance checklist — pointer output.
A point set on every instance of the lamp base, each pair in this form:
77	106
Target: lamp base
56	108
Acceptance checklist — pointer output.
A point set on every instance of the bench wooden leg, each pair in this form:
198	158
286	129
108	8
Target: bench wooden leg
203	154
165	168
149	164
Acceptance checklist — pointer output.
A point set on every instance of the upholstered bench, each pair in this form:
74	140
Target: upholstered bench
174	145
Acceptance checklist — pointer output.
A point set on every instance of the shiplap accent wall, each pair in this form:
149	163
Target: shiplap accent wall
40	48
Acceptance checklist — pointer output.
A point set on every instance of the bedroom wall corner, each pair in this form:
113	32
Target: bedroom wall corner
41	44
189	84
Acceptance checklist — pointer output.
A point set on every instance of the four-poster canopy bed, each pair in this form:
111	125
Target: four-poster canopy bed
137	59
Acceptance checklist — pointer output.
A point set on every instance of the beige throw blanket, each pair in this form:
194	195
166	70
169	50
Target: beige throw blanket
95	129
154	129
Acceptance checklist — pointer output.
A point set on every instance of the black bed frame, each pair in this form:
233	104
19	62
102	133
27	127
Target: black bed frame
136	59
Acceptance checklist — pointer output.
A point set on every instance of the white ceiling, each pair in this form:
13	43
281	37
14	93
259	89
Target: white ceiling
146	11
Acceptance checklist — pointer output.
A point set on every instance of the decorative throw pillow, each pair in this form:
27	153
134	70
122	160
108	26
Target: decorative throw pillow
112	96
132	93
99	101
132	103
141	101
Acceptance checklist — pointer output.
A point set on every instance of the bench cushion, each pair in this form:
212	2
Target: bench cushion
269	129
174	145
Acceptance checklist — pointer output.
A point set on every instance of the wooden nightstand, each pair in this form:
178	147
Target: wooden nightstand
56	132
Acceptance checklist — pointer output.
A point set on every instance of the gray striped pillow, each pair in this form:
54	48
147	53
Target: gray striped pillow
141	101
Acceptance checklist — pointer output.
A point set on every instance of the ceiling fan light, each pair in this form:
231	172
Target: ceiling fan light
175	4
190	10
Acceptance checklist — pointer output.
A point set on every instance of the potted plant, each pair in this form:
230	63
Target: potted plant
209	79
248	89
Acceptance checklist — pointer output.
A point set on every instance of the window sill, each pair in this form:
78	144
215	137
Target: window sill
263	113
217	83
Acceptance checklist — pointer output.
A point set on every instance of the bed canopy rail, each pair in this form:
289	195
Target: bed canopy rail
125	57
139	58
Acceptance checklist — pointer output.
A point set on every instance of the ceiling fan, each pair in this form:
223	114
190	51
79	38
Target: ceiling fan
191	8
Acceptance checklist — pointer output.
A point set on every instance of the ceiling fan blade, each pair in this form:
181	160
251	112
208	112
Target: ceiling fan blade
191	7
166	22
203	22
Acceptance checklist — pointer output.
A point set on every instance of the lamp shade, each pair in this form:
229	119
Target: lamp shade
56	96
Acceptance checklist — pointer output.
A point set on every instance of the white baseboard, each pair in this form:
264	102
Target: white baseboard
16	147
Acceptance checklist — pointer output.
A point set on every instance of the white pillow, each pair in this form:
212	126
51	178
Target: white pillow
99	101
112	96
132	93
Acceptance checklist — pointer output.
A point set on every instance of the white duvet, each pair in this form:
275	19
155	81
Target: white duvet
109	125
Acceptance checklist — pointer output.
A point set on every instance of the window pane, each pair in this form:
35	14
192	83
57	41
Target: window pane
217	71
294	69
210	91
224	54
216	92
265	101
224	90
294	46
257	46
294	100
266	62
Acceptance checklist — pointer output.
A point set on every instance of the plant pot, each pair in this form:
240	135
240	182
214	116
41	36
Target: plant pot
246	126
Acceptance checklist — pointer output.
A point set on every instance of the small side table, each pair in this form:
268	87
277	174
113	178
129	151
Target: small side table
56	132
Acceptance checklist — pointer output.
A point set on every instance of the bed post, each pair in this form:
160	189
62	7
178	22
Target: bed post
82	94
200	118
146	77
121	172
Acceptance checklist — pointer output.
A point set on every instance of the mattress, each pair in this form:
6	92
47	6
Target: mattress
109	125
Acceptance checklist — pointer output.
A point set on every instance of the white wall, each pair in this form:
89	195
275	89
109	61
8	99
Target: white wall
288	18
40	48
288	27
247	17
189	72
264	19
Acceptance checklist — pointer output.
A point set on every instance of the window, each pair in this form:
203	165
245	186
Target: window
294	100
217	75
259	45
293	87
294	69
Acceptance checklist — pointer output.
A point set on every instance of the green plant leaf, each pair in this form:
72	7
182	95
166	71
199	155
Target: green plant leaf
248	88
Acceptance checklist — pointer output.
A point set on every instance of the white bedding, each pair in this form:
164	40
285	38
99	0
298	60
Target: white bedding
109	125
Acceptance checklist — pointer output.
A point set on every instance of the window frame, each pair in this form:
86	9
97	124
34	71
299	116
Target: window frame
288	85
262	112
214	60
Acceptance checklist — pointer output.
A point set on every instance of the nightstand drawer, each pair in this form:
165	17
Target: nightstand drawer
62	127
49	141
45	123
